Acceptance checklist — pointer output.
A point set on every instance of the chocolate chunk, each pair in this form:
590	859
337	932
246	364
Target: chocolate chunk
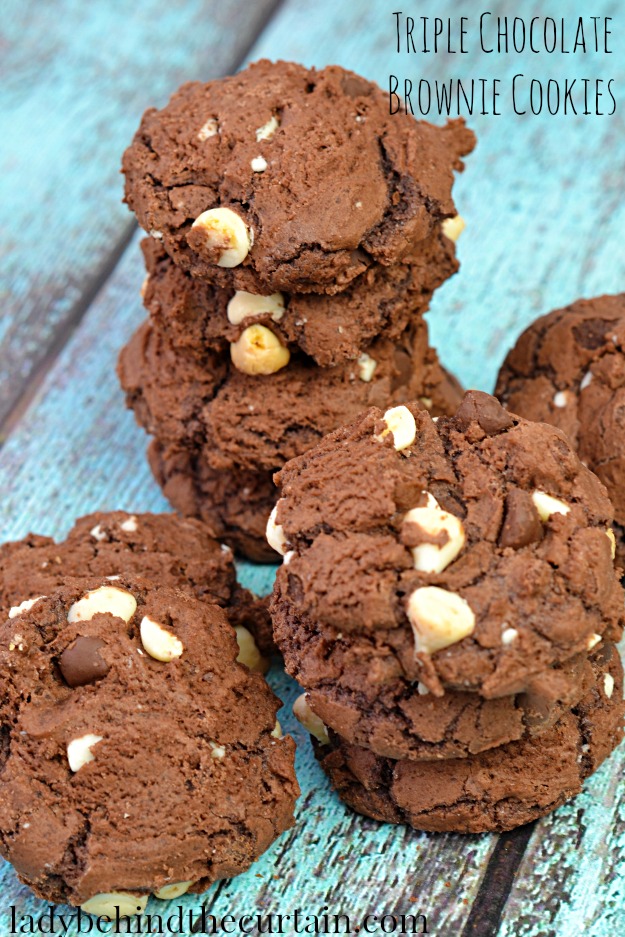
485	410
521	523
81	663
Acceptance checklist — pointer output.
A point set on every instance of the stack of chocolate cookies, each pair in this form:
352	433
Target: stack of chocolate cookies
297	232
449	602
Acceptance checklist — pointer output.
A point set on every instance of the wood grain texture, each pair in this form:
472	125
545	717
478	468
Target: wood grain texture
75	79
543	202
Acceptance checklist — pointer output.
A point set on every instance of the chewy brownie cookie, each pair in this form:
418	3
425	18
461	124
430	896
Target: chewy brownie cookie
496	790
330	329
475	551
568	369
138	756
162	548
287	178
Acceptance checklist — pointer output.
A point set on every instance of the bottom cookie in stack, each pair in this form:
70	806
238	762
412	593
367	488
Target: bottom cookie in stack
495	790
220	434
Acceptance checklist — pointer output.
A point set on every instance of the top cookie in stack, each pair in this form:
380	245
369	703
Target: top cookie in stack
295	226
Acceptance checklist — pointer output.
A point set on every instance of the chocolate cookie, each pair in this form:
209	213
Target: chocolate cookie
330	329
496	790
258	422
287	178
162	548
475	550
359	689
568	369
139	757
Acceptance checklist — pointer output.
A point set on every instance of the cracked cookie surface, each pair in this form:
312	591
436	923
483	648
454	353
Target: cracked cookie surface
529	583
568	369
293	152
137	753
496	790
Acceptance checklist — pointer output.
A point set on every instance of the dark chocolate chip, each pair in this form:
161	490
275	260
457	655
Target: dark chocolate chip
521	524
80	663
485	410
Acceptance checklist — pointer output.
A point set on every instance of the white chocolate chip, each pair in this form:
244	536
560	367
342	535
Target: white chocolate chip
108	904
610	535
258	164
79	750
175	890
130	525
310	720
97	533
546	505
218	752
453	227
366	367
288	556
587	378
267	131
401	423
24	606
427	402
259	351
245	305
209	129
422	690
248	651
608	685
107	600
275	533
434	521
157	235
508	636
560	399
277	732
226	232
439	618
158	642
593	640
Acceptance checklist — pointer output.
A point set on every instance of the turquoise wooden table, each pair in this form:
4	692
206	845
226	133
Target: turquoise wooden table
543	201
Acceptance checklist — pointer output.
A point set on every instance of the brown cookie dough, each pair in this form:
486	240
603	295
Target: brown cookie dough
496	790
312	179
235	503
137	753
568	369
358	688
475	549
330	329
162	548
258	422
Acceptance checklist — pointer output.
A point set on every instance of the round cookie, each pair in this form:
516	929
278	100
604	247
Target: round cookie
138	755
475	551
256	423
330	329
496	790
162	548
360	691
311	178
568	369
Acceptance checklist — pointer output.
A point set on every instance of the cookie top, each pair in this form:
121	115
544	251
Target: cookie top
138	753
287	178
357	685
568	369
496	790
258	422
481	537
162	548
329	329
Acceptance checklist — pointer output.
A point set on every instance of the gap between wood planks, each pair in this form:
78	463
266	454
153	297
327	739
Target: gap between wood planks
105	271
487	909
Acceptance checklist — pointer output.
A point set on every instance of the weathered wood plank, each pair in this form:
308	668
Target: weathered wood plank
75	80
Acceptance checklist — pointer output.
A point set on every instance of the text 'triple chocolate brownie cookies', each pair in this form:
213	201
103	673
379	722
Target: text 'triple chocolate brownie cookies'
568	369
287	178
470	553
138	756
